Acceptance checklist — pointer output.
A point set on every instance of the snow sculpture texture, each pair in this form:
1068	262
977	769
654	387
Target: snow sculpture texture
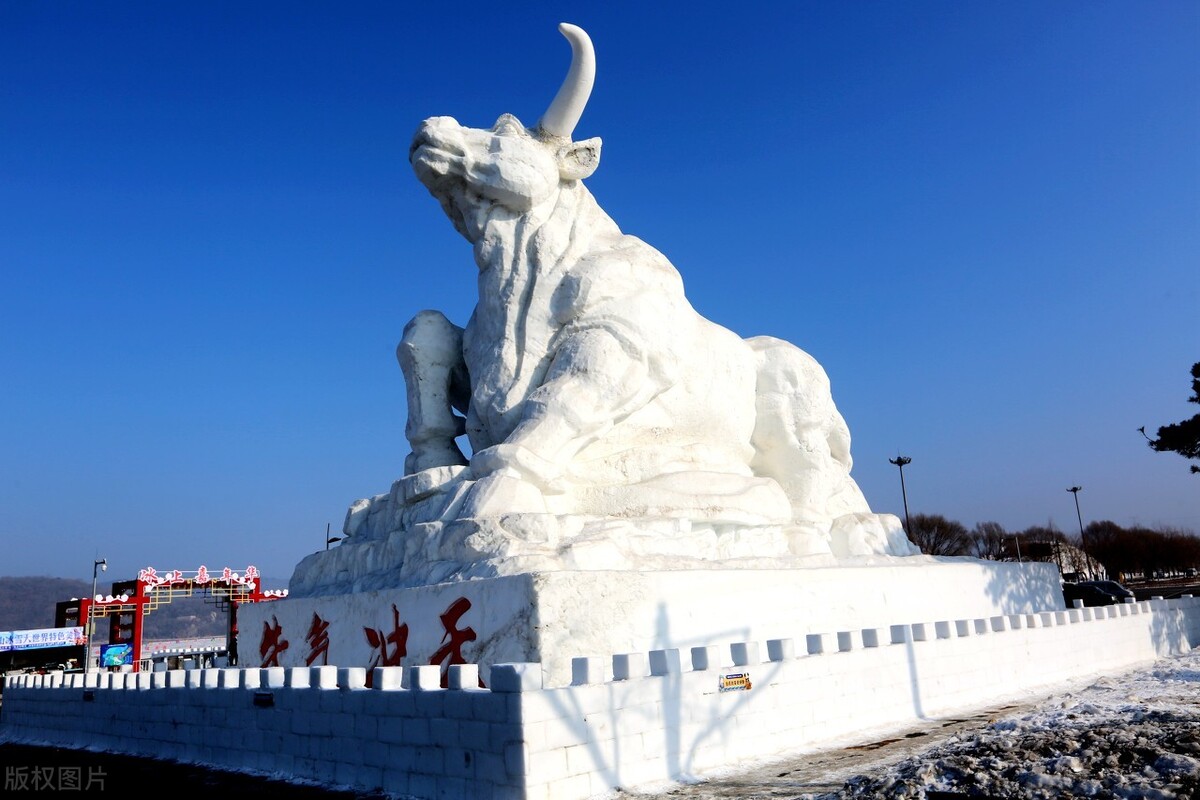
608	422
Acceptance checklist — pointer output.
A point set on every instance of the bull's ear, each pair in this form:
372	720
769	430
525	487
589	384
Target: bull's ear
578	160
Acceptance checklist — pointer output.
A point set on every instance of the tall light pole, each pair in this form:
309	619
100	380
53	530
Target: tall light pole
100	565
900	461
330	539
1075	490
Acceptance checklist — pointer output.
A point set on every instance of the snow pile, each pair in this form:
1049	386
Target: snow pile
1132	736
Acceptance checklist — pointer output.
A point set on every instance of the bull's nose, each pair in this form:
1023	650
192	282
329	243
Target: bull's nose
436	125
435	131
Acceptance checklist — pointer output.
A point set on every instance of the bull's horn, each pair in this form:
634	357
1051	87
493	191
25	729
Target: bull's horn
564	113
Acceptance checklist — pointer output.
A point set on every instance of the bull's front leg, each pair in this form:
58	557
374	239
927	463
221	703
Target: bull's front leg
597	378
435	377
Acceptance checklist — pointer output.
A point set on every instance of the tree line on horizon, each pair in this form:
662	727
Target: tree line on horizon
1123	552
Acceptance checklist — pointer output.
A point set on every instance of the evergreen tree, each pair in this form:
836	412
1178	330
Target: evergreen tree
1182	437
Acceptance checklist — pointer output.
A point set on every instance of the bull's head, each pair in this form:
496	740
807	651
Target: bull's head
475	173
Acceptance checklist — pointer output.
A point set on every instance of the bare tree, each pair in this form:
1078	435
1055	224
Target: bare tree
938	536
989	541
1043	543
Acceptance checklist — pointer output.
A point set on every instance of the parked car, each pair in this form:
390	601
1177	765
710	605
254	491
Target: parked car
1089	594
1112	587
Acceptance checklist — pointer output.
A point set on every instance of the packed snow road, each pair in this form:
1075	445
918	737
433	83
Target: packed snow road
1135	735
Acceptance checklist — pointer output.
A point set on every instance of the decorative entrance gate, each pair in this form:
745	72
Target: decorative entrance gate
131	601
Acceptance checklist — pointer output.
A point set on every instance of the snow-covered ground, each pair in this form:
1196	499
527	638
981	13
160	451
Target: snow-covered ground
1135	735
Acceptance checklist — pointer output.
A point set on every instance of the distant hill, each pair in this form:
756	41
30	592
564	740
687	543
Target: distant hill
27	603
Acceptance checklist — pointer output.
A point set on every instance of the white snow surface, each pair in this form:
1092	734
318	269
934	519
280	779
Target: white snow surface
1135	735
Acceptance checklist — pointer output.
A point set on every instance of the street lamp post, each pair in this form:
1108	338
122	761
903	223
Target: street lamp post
99	565
330	539
900	461
1075	490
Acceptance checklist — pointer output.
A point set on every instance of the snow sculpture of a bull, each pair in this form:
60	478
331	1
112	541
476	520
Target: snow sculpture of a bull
587	383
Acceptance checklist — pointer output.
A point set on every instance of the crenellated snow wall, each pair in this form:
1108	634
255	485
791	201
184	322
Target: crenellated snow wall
635	720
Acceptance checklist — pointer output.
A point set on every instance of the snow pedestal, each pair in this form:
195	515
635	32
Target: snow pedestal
616	726
552	617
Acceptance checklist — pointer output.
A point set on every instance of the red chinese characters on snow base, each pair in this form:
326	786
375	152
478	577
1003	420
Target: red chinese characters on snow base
383	656
272	643
388	649
453	640
318	642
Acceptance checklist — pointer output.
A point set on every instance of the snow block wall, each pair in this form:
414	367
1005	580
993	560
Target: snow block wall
629	720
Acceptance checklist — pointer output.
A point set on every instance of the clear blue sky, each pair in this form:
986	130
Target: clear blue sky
983	219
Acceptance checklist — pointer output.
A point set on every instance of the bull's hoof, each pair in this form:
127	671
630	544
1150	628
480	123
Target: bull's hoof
513	459
428	455
429	482
500	494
